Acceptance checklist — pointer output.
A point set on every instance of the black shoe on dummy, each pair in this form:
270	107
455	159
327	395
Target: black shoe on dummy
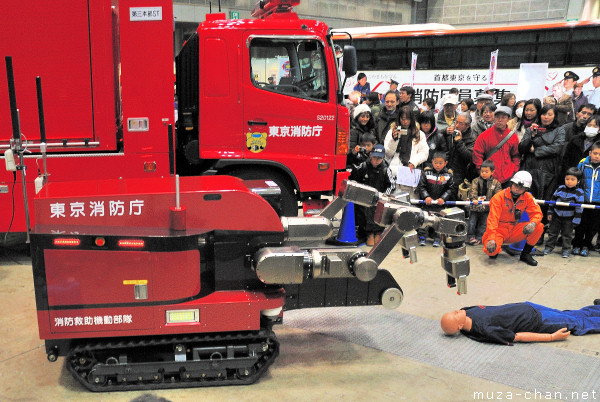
596	302
493	257
528	259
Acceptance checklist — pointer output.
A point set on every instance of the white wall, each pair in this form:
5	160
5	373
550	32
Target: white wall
335	13
501	12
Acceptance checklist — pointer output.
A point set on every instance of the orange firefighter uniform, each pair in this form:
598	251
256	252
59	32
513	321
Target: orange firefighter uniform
503	224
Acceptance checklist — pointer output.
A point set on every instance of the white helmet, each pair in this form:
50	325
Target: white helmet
522	178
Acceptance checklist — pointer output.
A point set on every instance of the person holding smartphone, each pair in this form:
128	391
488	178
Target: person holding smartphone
540	149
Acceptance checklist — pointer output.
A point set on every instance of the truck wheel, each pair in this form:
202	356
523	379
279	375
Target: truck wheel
289	201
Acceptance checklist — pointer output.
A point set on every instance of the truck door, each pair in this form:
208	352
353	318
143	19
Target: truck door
289	107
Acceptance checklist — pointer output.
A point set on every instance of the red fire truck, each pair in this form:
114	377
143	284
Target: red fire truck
108	96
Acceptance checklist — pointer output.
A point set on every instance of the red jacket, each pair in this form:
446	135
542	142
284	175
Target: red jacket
506	159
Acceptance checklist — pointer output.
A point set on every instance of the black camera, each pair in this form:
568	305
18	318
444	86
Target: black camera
518	213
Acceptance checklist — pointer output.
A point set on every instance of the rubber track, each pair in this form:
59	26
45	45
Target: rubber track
263	363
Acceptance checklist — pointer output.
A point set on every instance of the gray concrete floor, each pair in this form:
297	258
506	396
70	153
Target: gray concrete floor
316	367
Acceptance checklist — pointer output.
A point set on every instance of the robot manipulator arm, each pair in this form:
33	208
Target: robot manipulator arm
292	265
402	221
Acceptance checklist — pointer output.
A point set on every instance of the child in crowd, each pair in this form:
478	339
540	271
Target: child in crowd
590	218
375	173
564	219
435	187
483	188
362	152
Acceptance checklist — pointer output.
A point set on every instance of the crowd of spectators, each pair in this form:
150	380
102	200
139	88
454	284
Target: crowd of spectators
461	145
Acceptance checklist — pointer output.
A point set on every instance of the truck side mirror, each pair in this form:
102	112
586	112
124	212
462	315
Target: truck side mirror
350	65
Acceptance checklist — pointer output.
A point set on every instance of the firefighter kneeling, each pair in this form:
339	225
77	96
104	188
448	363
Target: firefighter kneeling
503	225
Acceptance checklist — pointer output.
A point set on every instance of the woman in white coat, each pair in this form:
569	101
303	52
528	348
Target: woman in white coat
405	144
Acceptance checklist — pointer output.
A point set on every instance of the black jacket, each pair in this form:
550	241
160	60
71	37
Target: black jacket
435	184
572	130
379	177
461	154
442	126
543	163
436	143
357	131
412	105
575	151
382	125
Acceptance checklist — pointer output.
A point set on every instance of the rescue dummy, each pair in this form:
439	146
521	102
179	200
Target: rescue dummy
503	223
521	322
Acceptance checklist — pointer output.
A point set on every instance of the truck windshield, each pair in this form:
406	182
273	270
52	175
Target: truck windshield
291	67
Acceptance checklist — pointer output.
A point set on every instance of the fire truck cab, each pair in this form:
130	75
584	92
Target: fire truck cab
263	101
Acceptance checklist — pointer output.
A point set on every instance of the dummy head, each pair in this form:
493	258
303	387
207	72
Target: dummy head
453	321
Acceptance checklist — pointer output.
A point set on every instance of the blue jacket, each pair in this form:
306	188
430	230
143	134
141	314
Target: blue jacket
566	194
364	91
590	183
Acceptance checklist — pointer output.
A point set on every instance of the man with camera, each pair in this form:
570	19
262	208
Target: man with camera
447	117
461	151
504	220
